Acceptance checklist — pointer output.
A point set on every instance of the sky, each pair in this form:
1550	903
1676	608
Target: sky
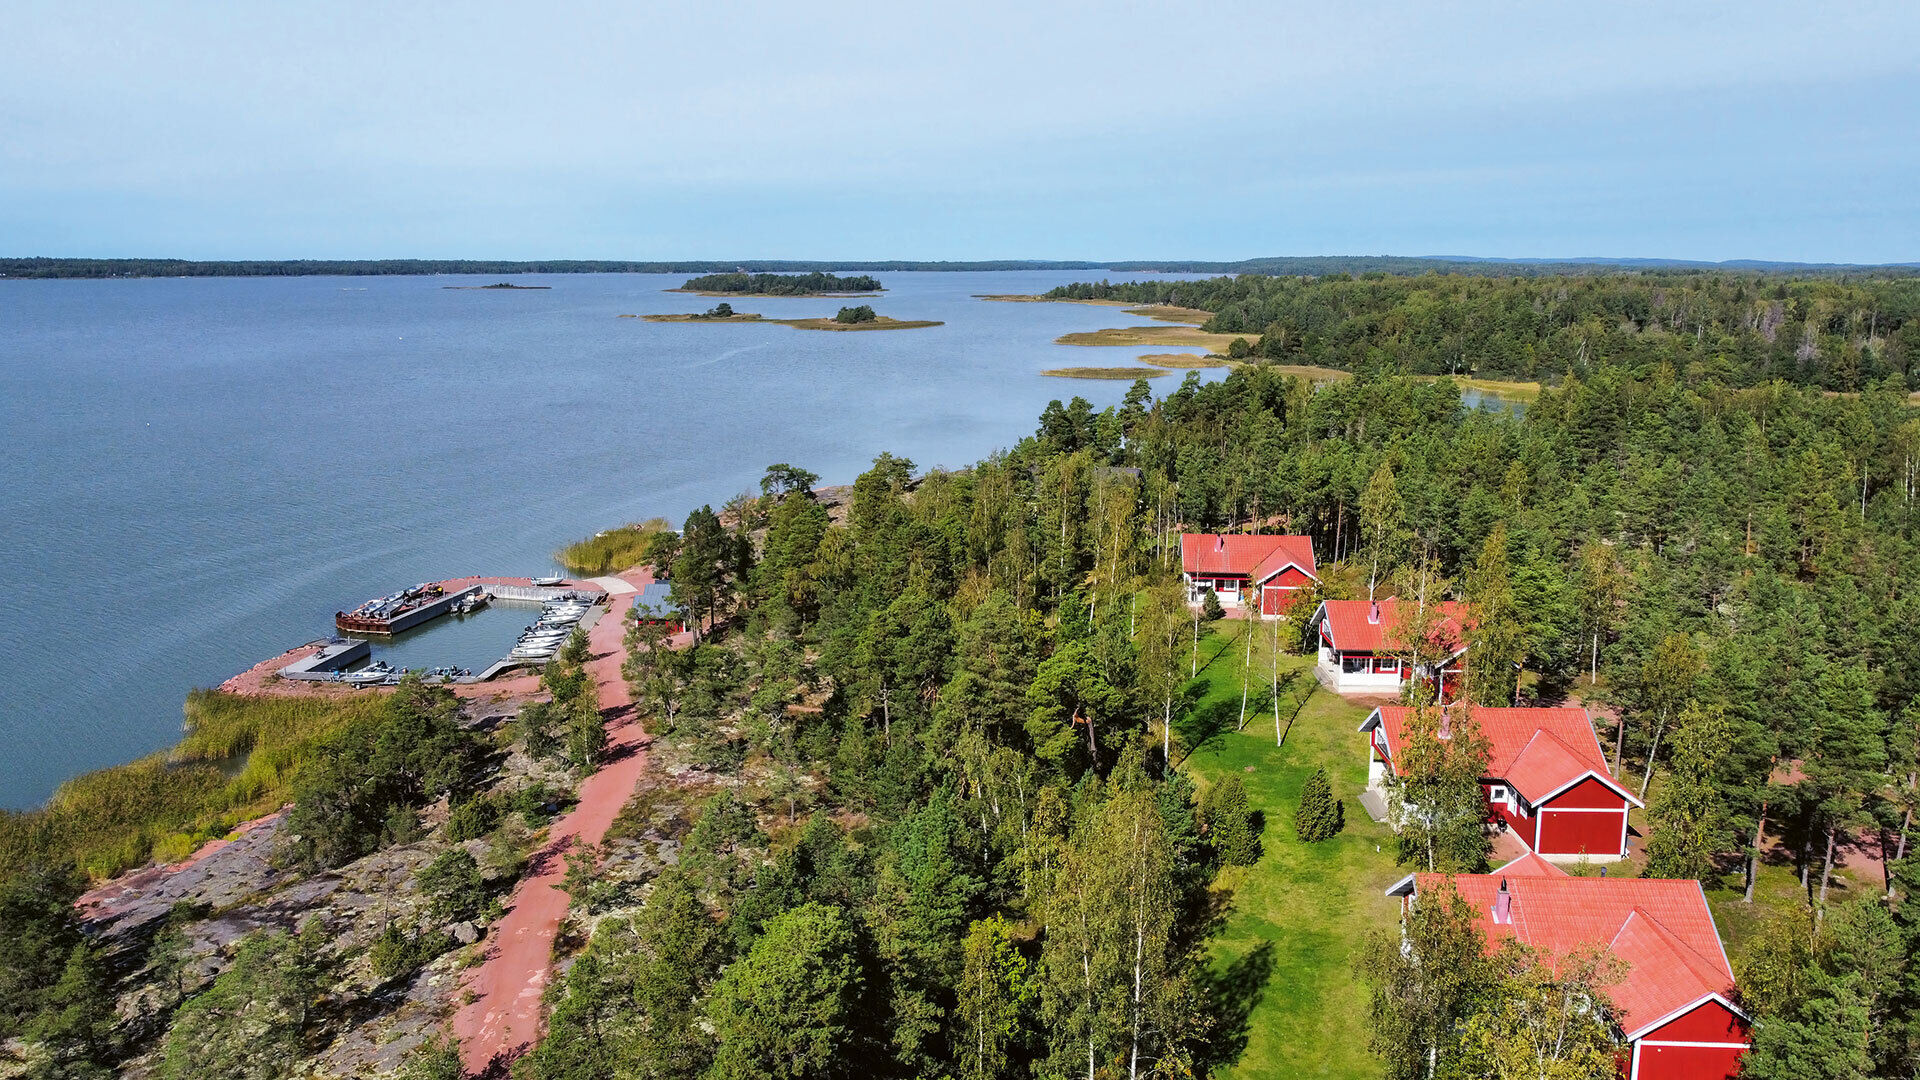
981	130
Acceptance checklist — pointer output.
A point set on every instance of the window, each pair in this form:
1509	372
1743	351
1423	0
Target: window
1354	664
1386	665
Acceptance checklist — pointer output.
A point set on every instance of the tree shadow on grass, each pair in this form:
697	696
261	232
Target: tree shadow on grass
1232	993
1202	726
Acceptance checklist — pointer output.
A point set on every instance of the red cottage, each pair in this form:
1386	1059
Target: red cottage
1675	1005
654	604
1547	781
1360	646
1279	566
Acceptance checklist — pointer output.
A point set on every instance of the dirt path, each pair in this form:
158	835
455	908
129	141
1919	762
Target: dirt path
503	1020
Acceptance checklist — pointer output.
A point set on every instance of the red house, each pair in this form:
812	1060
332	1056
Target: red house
654	604
1279	566
1675	1005
1360	645
1547	780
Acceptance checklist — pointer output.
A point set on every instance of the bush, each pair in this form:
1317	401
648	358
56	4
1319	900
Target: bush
399	952
1321	816
453	886
1210	608
472	819
862	314
360	789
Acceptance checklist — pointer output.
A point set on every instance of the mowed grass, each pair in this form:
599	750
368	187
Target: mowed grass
1300	912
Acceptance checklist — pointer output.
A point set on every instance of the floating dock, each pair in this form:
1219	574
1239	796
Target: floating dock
403	611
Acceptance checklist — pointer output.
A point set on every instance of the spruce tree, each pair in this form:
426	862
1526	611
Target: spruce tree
1229	826
1320	816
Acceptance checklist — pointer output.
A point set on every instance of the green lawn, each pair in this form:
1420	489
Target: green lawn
1297	914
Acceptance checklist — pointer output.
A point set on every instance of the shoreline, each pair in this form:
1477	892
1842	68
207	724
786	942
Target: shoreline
773	296
825	322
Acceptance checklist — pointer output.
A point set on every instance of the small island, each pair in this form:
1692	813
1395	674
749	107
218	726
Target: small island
769	285
497	285
862	317
1106	372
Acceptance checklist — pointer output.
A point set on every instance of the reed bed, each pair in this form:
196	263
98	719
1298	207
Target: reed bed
611	551
165	805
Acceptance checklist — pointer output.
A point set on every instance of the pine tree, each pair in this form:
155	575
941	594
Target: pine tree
1321	815
1688	818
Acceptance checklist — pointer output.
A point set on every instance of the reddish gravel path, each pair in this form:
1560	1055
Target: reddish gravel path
504	1018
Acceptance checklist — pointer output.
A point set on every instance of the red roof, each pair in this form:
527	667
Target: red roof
1354	627
1257	557
1538	751
1661	928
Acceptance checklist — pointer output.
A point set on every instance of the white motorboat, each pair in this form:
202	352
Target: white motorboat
550	579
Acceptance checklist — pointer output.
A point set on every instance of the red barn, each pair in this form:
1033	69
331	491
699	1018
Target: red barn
1547	780
1675	1005
1279	566
1360	645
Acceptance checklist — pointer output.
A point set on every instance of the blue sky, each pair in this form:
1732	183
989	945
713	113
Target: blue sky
982	130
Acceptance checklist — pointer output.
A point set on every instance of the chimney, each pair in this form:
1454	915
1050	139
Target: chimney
1503	905
1373	613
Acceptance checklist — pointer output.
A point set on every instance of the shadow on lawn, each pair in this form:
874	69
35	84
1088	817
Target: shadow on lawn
1232	993
1202	725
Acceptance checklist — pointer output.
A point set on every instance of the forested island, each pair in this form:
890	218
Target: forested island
948	778
1835	332
815	284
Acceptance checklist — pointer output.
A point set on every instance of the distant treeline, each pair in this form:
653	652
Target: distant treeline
1836	332
782	284
1289	265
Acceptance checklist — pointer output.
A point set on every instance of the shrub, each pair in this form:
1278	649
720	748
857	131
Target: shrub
1321	815
862	314
453	886
399	952
1210	607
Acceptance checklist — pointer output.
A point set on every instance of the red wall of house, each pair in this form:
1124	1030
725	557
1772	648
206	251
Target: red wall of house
1688	1062
1711	1022
1291	576
1572	832
1589	792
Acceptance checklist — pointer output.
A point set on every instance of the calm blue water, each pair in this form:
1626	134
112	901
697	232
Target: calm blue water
199	472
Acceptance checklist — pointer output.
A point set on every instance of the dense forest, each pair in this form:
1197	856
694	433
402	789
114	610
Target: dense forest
973	857
1840	332
814	284
49	267
933	810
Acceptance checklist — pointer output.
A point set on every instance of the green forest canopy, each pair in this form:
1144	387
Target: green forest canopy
1835	332
782	284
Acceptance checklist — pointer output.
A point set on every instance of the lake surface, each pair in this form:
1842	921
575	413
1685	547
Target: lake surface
199	472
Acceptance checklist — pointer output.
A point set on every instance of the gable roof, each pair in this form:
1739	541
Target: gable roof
1352	625
1540	752
656	597
1661	928
1258	556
